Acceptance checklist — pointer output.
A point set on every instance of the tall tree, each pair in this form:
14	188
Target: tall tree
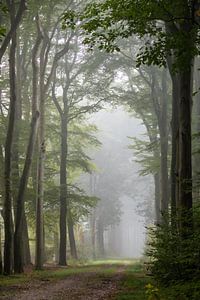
18	236
8	220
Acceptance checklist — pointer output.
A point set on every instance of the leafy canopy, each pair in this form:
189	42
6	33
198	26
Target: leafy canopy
164	25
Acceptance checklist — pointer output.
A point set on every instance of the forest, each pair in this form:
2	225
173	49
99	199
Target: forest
100	149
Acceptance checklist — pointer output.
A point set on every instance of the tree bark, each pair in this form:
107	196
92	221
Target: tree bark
196	112
185	166
93	233
157	197
63	192
72	241
39	248
163	128
175	143
100	239
8	247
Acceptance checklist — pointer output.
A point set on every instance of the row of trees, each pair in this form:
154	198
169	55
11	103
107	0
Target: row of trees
49	85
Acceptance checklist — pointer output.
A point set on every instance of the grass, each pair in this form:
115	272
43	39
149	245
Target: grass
133	285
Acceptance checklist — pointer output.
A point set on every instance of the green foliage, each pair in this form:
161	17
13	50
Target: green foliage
105	22
145	152
175	258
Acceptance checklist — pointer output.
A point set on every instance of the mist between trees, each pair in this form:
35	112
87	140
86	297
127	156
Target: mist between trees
99	116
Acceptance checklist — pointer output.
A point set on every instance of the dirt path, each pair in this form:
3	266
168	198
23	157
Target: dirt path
93	285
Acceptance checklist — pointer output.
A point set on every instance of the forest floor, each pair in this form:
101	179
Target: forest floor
116	280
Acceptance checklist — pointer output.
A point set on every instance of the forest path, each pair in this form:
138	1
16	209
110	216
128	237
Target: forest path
91	282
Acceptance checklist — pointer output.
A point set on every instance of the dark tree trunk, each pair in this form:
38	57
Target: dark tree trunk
8	247
196	113
175	145
174	172
185	166
63	193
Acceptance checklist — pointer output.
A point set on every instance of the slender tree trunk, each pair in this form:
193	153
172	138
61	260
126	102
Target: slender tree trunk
8	247
56	246
157	197
196	112
163	127
72	241
40	195
39	253
18	236
63	192
100	238
26	246
93	233
15	155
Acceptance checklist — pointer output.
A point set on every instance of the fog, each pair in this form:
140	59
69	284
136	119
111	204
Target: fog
118	170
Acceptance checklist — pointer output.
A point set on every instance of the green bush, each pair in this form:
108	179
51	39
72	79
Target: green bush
175	256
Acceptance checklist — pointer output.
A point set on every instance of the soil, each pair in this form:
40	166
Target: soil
83	286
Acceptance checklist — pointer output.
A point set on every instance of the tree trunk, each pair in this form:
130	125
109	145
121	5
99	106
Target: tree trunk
174	172
175	146
8	247
100	239
18	236
26	246
157	197
72	241
163	128
56	246
93	232
185	166
196	112
63	192
39	257
39	251
15	155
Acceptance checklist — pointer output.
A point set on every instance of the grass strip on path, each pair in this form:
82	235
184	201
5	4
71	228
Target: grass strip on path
133	285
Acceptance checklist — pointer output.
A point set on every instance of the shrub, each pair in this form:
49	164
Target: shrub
176	257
